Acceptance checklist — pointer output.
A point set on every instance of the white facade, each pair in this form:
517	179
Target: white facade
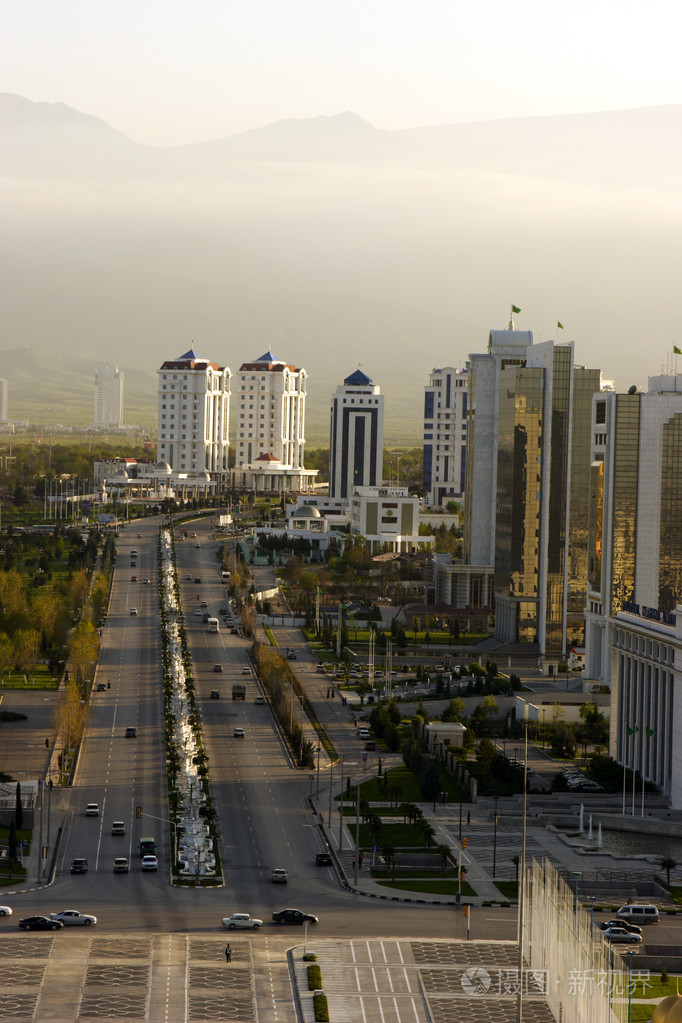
356	441
108	398
270	441
387	516
445	435
4	393
193	415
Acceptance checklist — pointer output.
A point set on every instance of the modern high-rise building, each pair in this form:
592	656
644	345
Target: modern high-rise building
193	416
356	441
633	609
108	398
542	500
445	434
527	487
270	441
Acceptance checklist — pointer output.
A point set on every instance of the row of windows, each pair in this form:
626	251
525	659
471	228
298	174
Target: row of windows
623	639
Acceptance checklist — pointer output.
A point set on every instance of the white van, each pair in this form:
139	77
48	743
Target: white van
638	913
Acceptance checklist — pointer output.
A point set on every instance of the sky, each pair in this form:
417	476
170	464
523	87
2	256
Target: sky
167	72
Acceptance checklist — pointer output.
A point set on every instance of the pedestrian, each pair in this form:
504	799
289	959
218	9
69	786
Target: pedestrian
468	816
228	953
47	744
360	861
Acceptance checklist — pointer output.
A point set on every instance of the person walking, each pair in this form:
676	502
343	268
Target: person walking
228	953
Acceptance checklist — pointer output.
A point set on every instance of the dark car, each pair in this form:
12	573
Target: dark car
370	746
292	655
40	923
205	618
79	866
633	928
223	611
323	860
293	916
197	580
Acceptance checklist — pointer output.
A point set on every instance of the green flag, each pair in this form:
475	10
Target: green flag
649	732
677	351
515	309
631	731
559	324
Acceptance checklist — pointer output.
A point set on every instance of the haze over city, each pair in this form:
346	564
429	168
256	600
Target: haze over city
368	184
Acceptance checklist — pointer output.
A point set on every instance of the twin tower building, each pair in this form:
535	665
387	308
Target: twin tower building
193	425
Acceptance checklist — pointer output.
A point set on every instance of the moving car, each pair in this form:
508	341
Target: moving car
72	918
40	923
92	810
134	579
323	859
131	732
279	876
293	916
292	655
79	865
239	733
618	935
259	700
241	921
197	580
246	670
133	611
5	910
370	746
150	863
198	612
215	694
217	667
203	604
118	828
121	865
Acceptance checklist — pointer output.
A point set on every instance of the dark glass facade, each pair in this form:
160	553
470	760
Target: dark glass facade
670	552
626	472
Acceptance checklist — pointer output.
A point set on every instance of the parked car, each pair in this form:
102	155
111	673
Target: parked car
101	687
150	863
79	865
242	921
620	923
279	876
72	918
40	923
121	865
323	859
293	916
92	810
618	935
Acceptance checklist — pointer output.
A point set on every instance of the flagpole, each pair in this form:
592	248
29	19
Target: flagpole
634	784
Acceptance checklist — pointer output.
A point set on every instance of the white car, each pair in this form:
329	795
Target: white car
150	863
133	611
72	918
242	921
92	810
618	935
5	910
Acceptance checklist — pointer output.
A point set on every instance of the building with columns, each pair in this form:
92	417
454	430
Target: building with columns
633	612
356	441
193	415
270	437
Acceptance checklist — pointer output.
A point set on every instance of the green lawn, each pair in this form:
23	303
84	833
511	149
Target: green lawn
510	889
43	679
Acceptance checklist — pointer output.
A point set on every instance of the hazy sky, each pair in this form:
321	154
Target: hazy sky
167	72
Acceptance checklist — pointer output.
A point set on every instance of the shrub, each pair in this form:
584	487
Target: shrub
314	977
321	1007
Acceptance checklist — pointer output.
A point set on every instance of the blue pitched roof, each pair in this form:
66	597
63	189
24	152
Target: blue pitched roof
191	356
268	357
358	379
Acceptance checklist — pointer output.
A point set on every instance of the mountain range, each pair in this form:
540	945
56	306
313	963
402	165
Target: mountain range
333	243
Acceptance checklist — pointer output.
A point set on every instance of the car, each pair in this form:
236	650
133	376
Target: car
72	918
198	612
363	733
118	828
139	536
223	611
371	746
79	865
618	935
320	669
92	810
292	655
279	876
133	611
121	865
101	687
197	545
203	604
131	732
239	733
246	670
215	694
147	582
197	580
205	618
259	700
193	535
293	916
620	923
40	923
241	921
133	578
150	863
188	577
323	859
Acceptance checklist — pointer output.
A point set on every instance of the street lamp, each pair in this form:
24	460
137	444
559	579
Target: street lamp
630	952
495	839
317	786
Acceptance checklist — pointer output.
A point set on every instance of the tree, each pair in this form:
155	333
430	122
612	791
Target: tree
6	653
454	711
490	706
667	864
83	649
27	650
486	753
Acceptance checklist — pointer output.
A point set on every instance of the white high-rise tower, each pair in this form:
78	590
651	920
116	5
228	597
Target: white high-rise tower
194	409
108	398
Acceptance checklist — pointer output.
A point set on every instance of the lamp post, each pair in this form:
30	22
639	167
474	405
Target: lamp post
331	778
495	839
630	952
317	786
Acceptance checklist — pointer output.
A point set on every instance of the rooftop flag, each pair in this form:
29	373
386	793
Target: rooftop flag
559	324
515	309
677	351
